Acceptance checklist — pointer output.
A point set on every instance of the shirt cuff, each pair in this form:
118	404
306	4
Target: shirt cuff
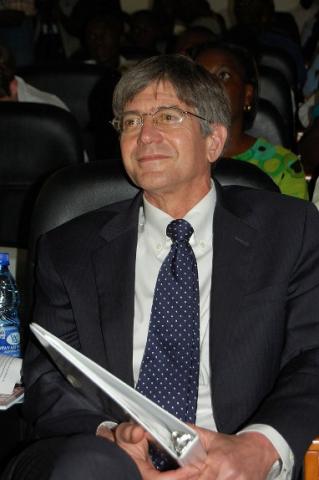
107	423
281	469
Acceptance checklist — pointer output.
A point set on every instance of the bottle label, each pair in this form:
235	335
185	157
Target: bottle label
10	341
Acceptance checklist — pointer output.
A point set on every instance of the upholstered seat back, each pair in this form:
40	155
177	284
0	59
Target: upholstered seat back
35	140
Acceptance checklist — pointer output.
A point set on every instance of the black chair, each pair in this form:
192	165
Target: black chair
280	60
273	86
77	84
270	125
35	140
230	171
75	190
78	189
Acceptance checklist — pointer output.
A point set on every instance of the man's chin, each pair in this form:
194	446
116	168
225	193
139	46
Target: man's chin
153	181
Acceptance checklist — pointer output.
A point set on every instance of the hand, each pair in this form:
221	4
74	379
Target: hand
248	456
134	440
105	432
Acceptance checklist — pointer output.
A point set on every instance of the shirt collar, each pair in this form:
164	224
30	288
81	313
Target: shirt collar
154	221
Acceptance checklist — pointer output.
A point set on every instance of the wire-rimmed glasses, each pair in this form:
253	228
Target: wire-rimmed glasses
164	118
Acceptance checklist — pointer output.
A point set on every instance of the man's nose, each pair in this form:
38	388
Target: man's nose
149	133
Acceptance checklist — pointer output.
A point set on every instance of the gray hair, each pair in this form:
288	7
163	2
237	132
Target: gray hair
193	84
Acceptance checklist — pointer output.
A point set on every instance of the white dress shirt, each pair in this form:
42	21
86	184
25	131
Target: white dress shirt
152	247
28	93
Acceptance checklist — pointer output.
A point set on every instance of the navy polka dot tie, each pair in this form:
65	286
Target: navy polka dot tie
170	366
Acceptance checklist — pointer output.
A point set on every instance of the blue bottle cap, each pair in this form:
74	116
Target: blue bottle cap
4	259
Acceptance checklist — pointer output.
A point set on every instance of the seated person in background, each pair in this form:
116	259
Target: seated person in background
14	88
101	41
190	38
84	10
257	26
237	70
250	311
308	145
141	38
17	20
200	13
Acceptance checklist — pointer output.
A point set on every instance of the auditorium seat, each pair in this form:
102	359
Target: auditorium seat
273	86
270	125
35	140
78	85
280	60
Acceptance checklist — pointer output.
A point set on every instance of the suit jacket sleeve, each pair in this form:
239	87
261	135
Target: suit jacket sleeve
52	405
292	407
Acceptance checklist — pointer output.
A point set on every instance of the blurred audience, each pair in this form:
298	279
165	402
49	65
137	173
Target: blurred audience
17	28
14	88
111	37
180	15
142	36
83	11
259	25
49	47
101	41
308	145
237	70
190	38
200	13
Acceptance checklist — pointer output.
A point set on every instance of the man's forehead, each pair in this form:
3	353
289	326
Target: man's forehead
157	92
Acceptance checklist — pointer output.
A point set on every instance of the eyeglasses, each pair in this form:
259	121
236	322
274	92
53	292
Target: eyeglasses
164	118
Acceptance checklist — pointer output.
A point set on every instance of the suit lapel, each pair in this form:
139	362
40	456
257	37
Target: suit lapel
233	249
114	265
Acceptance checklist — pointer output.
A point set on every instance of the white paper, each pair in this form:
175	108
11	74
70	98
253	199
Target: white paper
10	373
160	423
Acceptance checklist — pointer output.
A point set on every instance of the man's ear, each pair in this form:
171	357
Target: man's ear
215	142
14	89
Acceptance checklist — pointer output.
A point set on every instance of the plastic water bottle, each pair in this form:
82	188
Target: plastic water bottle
9	303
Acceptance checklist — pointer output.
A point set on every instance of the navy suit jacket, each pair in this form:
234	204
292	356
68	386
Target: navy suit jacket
264	324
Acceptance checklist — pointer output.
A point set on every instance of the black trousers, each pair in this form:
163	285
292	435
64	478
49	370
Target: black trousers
80	457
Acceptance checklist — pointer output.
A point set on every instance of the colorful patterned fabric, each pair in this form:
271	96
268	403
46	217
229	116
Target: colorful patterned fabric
282	165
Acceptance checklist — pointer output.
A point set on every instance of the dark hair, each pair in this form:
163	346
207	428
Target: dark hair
6	77
253	12
7	60
246	63
193	85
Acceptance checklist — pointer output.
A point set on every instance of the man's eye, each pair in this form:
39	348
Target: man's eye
168	117
130	122
224	76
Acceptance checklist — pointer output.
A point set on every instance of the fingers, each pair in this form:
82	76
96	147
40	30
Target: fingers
105	432
129	433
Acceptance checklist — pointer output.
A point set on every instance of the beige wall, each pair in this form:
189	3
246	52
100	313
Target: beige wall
132	5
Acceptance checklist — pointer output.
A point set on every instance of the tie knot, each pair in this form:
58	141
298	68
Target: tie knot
179	230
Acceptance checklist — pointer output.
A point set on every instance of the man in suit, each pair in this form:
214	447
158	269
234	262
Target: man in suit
257	255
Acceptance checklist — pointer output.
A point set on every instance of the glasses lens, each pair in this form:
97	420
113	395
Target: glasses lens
116	124
168	117
130	122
